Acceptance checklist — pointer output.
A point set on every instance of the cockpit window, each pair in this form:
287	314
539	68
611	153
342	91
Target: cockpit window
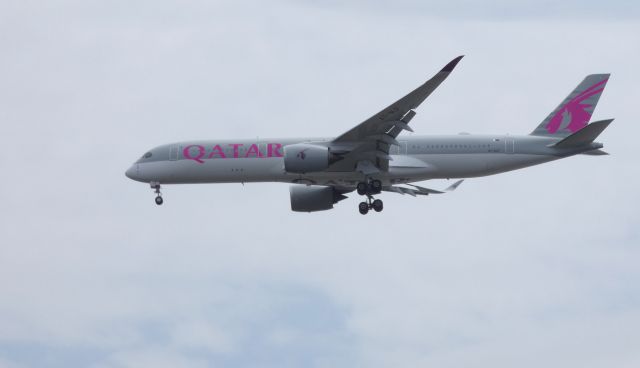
147	155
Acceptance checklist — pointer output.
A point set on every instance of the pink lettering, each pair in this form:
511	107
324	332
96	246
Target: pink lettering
198	153
254	150
235	149
274	150
186	152
217	150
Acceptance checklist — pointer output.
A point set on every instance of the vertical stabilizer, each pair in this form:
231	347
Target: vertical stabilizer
575	111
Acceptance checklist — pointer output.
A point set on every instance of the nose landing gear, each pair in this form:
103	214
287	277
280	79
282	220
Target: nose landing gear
156	187
369	189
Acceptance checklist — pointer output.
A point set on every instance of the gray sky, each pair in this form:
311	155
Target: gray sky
532	268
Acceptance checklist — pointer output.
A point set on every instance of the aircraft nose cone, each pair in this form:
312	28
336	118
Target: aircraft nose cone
132	172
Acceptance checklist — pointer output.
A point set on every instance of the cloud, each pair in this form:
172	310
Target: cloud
530	268
494	11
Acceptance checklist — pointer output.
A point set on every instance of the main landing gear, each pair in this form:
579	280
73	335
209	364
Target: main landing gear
156	187
369	189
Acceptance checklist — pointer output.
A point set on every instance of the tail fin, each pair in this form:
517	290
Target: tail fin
575	111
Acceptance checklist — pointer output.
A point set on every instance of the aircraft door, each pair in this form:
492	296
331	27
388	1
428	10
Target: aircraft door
173	153
509	145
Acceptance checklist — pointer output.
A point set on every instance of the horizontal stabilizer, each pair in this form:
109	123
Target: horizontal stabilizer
585	135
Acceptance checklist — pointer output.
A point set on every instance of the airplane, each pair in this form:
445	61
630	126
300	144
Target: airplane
374	157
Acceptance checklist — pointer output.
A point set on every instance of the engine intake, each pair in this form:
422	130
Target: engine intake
302	158
311	198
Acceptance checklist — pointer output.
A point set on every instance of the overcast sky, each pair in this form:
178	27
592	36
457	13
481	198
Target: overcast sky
533	268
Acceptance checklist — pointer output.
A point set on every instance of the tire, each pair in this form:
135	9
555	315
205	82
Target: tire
159	200
376	186
362	188
377	205
363	207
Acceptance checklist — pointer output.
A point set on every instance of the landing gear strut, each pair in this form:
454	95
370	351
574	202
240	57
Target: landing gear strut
369	189
156	187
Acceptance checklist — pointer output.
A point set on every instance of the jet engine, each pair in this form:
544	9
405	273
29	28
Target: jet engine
311	198
302	158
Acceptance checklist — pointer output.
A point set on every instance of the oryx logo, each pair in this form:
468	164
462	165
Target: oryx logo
302	155
574	116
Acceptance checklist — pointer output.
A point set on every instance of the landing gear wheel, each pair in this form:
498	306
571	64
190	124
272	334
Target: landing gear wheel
369	188
156	189
377	205
362	188
363	207
376	186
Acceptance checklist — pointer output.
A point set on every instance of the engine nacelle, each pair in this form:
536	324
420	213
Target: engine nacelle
311	198
302	158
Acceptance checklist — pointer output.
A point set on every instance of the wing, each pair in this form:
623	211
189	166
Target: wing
371	140
416	190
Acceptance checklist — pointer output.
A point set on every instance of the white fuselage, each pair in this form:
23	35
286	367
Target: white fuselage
416	159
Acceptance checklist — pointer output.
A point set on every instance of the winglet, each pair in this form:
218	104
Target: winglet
452	64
